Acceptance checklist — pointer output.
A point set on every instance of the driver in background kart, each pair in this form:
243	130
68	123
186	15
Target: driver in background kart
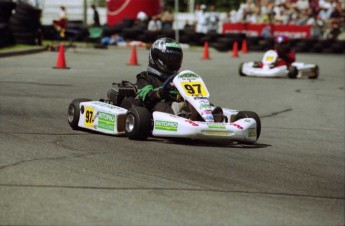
286	56
165	59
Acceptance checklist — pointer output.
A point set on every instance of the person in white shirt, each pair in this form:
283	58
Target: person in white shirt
203	19
154	24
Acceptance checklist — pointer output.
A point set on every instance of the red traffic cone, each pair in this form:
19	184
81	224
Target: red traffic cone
244	46
235	49
133	60
205	54
61	62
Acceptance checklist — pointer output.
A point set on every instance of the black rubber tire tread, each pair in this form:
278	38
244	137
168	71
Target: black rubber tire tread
253	115
15	22
142	123
29	9
34	13
240	69
75	105
293	72
5	15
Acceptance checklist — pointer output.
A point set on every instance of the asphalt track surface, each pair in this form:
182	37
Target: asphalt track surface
53	175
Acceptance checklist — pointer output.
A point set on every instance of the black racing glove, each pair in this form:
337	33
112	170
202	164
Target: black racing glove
162	94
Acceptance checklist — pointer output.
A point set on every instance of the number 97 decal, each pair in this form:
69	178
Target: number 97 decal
88	121
194	89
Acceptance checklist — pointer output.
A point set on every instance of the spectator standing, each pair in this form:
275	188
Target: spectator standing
315	23
326	9
213	19
202	19
96	22
302	5
155	24
61	24
167	19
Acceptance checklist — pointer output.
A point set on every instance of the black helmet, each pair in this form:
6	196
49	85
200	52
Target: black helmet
165	57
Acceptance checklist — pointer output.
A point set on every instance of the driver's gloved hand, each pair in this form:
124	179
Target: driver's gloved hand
256	63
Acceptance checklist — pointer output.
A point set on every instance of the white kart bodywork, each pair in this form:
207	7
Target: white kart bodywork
109	119
268	70
102	117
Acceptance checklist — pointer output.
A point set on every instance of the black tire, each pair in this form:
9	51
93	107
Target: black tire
73	112
138	123
240	70
315	73
293	72
253	115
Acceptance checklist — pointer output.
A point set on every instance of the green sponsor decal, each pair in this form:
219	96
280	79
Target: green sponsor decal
172	45
213	126
165	125
106	121
251	132
188	75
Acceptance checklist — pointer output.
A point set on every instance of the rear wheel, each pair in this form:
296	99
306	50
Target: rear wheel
293	72
73	113
138	123
314	73
253	115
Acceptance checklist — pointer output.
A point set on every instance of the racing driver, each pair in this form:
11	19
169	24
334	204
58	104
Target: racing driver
165	59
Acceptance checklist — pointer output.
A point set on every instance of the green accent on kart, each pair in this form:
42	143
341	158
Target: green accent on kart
144	91
213	126
166	125
106	121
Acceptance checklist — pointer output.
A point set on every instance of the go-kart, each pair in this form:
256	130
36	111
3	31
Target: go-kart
267	68
195	116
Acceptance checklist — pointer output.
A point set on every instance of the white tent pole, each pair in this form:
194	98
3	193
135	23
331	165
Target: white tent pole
176	21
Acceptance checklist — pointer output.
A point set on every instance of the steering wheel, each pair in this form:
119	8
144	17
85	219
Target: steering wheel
166	84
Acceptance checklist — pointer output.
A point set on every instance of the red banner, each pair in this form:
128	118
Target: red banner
117	10
254	30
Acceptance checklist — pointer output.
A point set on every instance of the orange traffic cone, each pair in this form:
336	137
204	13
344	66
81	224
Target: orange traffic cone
61	62
235	49
133	60
205	54
244	46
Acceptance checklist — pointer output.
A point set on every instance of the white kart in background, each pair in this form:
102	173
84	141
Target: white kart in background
296	70
121	114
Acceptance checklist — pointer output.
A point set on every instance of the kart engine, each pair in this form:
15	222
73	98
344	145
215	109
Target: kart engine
121	90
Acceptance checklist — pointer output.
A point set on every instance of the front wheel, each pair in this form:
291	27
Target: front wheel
73	112
253	115
138	123
293	72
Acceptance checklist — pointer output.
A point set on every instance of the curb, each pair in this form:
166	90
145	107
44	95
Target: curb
22	52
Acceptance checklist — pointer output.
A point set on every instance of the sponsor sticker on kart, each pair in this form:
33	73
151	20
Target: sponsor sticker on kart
89	116
216	126
269	58
216	133
166	125
106	121
251	132
194	88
